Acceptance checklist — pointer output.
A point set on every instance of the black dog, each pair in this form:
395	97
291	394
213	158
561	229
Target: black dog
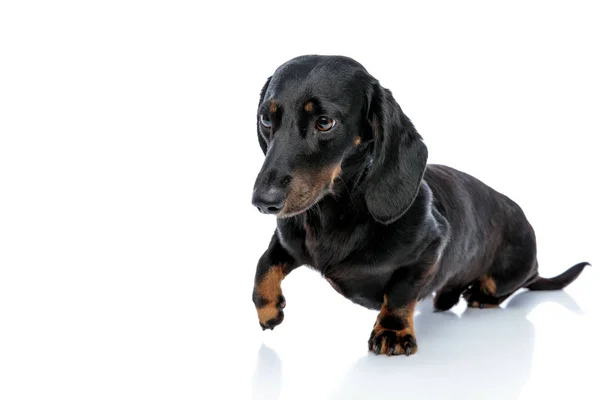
346	174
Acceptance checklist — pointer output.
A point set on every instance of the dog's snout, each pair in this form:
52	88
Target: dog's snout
269	195
270	201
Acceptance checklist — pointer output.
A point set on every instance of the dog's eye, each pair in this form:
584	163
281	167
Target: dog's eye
324	124
265	121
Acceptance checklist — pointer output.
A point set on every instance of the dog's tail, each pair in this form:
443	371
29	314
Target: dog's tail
559	281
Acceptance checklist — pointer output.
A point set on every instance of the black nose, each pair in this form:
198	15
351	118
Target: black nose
270	201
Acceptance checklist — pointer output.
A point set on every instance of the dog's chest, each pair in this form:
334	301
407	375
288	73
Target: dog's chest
330	241
345	268
340	253
318	247
322	241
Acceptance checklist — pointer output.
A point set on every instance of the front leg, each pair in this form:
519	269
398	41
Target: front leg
394	332
267	296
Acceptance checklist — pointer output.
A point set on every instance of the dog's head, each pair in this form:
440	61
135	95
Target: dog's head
317	114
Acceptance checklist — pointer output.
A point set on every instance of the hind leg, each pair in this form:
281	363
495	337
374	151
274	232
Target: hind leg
483	294
492	289
447	297
513	264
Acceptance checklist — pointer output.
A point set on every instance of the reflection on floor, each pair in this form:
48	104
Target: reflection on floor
459	356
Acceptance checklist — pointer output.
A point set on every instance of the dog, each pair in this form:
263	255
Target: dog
346	174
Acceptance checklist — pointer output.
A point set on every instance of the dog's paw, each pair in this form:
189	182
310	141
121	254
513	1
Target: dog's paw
270	313
479	299
392	343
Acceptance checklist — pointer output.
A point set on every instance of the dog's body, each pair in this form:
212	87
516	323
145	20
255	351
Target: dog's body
357	202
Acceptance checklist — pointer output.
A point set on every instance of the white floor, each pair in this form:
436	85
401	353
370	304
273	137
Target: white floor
176	333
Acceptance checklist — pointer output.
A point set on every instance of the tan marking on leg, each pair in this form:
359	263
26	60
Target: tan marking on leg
267	312
357	140
406	331
269	289
406	313
269	286
486	305
476	304
488	285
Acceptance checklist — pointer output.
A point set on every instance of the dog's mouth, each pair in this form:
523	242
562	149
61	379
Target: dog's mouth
294	206
307	189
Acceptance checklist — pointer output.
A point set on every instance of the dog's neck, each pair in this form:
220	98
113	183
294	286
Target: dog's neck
346	199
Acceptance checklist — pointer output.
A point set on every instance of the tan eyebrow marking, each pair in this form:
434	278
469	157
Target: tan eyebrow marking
273	107
308	107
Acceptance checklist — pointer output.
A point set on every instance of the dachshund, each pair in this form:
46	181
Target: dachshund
346	174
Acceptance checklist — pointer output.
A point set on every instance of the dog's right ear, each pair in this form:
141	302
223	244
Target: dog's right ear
261	139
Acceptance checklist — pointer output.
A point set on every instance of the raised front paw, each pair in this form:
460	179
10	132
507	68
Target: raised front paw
270	312
392	342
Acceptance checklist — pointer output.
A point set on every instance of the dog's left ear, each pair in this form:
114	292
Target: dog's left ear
399	159
261	139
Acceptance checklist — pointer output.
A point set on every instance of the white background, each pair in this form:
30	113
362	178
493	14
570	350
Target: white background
128	153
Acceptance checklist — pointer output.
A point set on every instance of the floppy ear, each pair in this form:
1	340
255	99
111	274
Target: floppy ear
399	159
261	139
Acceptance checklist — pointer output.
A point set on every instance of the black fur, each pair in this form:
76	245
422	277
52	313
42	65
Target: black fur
388	229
